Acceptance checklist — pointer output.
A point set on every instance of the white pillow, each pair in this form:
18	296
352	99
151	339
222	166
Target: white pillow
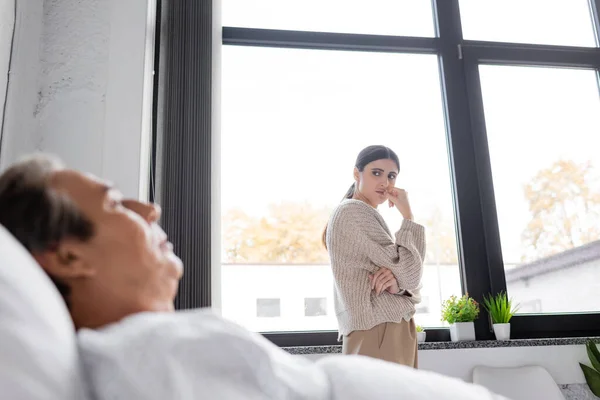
359	377
38	350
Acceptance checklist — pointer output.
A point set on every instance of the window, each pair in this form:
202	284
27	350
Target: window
306	114
315	307
495	123
268	308
381	17
423	307
552	22
542	129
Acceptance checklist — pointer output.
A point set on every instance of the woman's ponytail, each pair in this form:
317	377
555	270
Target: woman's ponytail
350	192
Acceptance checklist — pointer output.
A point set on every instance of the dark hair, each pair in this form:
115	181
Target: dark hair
366	156
35	214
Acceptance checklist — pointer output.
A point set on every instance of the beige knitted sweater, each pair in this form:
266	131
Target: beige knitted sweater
359	242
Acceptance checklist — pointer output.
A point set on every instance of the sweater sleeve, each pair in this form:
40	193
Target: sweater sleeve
361	232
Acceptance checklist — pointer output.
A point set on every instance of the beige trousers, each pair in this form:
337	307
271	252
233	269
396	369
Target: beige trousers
390	341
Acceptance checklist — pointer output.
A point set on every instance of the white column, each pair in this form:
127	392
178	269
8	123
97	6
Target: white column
81	87
18	136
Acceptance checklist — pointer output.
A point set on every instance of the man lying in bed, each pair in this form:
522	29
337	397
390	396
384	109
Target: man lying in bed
118	275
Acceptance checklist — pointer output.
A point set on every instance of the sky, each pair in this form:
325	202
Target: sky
559	22
294	120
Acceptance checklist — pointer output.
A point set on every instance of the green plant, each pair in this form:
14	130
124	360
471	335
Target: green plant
460	309
500	308
592	375
420	328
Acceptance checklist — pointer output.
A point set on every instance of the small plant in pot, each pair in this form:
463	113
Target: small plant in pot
501	310
460	312
421	334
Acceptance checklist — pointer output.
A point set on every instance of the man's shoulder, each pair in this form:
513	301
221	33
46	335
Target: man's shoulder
173	355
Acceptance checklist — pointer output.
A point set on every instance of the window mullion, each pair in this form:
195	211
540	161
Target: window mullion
468	200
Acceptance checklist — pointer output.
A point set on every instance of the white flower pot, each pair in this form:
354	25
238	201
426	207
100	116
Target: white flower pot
461	331
421	337
502	331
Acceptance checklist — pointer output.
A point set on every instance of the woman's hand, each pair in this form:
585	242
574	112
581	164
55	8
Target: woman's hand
399	198
383	280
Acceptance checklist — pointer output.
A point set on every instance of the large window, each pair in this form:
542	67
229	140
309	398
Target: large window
306	114
493	107
555	22
542	127
377	17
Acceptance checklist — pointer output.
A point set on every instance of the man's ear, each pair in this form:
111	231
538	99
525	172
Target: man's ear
65	261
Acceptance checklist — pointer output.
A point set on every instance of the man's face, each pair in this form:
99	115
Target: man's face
128	261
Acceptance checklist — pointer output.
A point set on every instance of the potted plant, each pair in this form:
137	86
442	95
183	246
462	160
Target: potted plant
501	310
421	334
592	374
460	312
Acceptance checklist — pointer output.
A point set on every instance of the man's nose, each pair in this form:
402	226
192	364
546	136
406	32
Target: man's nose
154	212
150	212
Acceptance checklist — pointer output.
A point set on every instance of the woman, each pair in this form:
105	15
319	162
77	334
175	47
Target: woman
377	276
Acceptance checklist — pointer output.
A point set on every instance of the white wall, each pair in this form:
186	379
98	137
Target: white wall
562	362
17	135
7	23
81	86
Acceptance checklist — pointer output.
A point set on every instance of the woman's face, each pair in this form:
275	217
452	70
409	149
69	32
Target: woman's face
375	180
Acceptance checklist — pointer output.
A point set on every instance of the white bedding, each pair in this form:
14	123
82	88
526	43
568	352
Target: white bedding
198	355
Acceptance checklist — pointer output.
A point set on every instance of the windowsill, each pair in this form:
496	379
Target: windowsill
478	344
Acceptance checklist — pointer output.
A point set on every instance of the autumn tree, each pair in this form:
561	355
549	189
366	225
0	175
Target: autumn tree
289	233
564	203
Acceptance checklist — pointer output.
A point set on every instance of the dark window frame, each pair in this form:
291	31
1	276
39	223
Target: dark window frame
482	268
523	326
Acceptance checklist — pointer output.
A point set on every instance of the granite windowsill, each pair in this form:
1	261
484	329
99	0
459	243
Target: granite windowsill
479	344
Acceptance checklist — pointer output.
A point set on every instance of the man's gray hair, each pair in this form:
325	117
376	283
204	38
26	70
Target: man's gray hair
38	216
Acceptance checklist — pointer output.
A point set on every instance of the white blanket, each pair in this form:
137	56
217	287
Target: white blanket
198	355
